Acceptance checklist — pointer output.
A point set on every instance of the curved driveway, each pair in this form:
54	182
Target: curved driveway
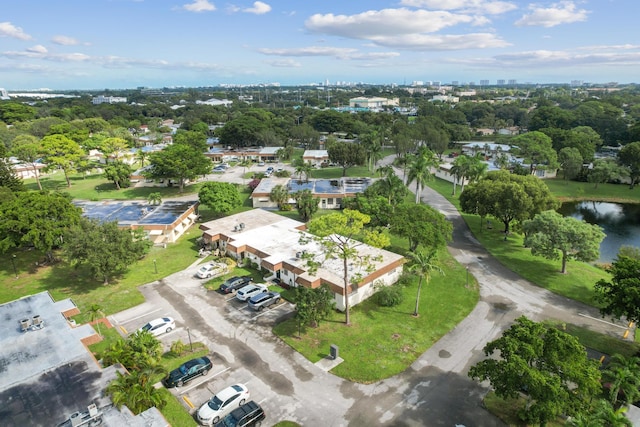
433	391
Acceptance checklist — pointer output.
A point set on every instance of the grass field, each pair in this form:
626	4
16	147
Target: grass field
576	284
572	190
384	341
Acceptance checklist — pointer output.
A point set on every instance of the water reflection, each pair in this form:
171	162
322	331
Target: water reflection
620	221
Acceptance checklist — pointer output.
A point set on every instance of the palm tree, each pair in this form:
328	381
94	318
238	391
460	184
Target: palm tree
423	264
459	170
420	169
392	186
280	195
623	377
95	313
154	198
605	415
136	392
141	156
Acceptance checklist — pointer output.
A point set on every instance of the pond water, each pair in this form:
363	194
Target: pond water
620	221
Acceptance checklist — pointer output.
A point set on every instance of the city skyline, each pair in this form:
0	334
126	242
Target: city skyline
123	44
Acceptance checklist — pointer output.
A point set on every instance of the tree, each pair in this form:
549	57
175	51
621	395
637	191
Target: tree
629	157
28	149
376	206
553	236
423	264
421	225
459	170
136	392
604	170
570	161
37	219
507	197
549	366
8	177
334	234
389	186
306	204
280	196
537	148
420	169
96	313
118	172
180	162
621	296
220	197
104	247
622	377
154	198
14	112
312	305
61	152
194	139
113	147
346	154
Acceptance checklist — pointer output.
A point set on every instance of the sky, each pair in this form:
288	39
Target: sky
121	44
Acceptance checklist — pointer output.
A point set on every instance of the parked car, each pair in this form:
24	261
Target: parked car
211	269
249	414
219	169
250	290
188	371
223	402
159	326
260	163
235	283
264	299
270	169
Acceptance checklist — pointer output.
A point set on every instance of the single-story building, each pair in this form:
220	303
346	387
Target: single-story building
272	243
163	223
254	154
25	170
315	157
328	192
50	376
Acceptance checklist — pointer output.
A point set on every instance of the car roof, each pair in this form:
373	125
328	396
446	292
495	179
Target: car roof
160	320
230	391
197	361
262	296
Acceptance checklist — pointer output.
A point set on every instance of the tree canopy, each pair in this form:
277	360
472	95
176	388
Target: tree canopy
553	236
62	152
220	197
104	247
180	162
621	295
629	157
346	155
549	366
421	225
38	219
507	197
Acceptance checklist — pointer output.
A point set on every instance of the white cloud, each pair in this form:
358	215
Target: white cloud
259	8
481	7
64	40
424	42
336	52
388	22
558	13
37	49
284	63
7	29
199	6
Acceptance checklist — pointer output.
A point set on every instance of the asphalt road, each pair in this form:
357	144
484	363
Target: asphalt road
433	391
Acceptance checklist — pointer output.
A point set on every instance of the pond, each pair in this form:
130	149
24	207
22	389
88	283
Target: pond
620	221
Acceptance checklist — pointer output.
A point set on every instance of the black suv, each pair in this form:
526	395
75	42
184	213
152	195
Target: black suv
235	283
249	414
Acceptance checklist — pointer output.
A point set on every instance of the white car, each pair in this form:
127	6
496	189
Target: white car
211	269
250	290
225	401
159	326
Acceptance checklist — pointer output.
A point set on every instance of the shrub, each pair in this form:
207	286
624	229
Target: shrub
389	296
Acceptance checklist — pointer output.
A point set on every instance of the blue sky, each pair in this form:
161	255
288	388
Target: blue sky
97	44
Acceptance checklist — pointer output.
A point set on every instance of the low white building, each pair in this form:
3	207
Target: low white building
272	243
315	157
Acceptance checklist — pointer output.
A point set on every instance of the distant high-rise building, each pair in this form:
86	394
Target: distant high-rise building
513	82
500	82
4	95
576	83
455	83
484	82
417	83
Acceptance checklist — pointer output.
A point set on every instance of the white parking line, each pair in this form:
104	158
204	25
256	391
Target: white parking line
603	321
207	378
138	317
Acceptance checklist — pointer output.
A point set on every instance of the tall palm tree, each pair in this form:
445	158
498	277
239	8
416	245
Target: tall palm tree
623	376
393	187
424	264
96	313
459	170
420	169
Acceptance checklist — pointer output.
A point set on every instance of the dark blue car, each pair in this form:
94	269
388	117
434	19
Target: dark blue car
188	371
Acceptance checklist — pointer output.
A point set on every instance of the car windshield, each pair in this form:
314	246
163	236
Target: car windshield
183	369
215	403
146	327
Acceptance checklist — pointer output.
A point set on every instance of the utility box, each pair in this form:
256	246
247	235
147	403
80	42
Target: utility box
333	351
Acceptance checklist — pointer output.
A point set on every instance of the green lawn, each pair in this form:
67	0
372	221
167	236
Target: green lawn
384	341
576	284
572	190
